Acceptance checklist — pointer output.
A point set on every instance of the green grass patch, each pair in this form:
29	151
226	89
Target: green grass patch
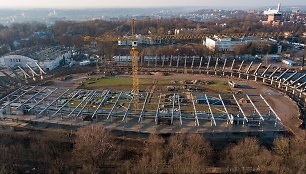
219	86
164	82
113	81
74	103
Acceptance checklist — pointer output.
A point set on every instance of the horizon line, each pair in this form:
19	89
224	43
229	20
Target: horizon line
145	7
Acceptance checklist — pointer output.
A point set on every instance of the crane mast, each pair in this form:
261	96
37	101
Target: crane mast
134	54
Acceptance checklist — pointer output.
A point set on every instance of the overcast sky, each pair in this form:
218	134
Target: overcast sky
141	3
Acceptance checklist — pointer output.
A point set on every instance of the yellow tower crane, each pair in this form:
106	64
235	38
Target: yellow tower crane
134	54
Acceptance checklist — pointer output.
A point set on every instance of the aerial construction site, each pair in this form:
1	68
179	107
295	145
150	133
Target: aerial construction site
173	95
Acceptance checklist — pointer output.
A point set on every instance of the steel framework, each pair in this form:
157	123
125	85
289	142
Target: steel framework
77	105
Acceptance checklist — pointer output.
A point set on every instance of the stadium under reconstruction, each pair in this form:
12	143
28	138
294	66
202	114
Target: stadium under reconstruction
217	115
198	112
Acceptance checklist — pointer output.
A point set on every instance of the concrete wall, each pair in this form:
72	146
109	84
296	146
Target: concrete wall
51	64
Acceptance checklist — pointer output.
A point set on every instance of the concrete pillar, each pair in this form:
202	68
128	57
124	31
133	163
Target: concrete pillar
223	73
232	67
264	79
256	71
279	83
207	68
200	65
300	94
163	61
185	67
171	61
287	86
177	63
192	64
216	66
141	60
240	69
156	61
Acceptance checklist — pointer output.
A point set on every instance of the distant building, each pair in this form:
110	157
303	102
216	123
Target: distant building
17	60
226	44
48	58
247	57
289	62
42	35
270	57
85	62
274	16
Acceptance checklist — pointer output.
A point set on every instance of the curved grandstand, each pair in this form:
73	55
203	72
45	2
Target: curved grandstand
255	109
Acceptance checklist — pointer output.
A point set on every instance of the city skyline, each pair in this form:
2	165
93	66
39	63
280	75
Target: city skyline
138	3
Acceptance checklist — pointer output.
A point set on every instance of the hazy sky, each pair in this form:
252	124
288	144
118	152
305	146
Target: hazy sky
141	3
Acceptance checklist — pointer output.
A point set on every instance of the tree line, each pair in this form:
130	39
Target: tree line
94	149
70	33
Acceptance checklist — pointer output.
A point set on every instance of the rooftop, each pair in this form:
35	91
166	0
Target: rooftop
41	53
272	12
227	39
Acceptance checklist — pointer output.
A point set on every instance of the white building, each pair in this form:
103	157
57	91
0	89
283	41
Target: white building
272	12
48	58
289	62
226	44
273	57
85	62
16	60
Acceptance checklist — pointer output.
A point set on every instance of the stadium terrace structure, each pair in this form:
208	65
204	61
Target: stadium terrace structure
9	78
184	111
290	82
285	79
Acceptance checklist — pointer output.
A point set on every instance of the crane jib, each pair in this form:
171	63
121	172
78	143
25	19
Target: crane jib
180	36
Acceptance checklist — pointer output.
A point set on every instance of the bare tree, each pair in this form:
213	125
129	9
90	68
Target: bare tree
153	159
199	145
89	169
242	157
188	153
289	155
94	145
265	160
